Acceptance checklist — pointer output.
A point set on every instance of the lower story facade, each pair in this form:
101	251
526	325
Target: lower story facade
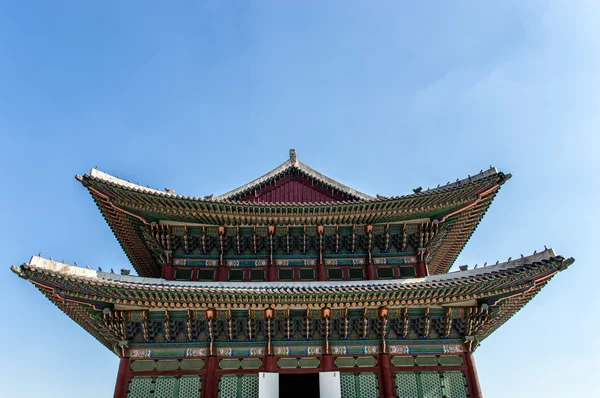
310	375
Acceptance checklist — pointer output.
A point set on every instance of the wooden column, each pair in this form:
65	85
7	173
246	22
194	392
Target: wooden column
472	378
387	376
271	271
421	269
270	363
122	384
327	363
370	272
211	379
321	274
168	271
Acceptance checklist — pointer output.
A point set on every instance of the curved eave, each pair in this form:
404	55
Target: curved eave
169	197
504	288
128	207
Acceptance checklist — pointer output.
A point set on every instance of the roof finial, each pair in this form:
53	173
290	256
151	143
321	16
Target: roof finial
293	155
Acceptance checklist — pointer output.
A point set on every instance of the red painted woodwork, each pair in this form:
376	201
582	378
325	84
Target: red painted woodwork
270	363
327	363
123	377
471	375
371	272
221	273
295	188
210	384
387	376
272	273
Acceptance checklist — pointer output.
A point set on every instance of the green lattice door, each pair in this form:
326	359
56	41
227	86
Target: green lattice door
431	385
164	387
238	386
359	385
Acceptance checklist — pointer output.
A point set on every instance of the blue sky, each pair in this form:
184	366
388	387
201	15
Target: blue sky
382	96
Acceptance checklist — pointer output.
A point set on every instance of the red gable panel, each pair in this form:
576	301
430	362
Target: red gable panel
294	188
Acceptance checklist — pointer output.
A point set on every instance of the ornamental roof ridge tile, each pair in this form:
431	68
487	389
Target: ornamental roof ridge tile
101	176
68	271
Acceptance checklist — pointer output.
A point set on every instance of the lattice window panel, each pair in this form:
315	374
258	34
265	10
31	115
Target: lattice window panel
348	385
238	386
190	386
249	386
164	387
359	385
455	385
368	385
432	385
140	387
406	385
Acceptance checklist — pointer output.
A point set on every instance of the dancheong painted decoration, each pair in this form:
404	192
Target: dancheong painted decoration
294	285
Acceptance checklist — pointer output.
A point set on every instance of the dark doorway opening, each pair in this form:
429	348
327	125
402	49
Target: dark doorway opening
305	385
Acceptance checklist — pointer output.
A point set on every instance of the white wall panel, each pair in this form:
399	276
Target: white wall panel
329	385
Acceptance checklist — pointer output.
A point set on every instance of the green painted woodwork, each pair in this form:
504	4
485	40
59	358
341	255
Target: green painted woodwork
359	385
251	363
169	364
287	363
142	365
431	384
450	384
426	361
366	362
229	364
403	361
238	386
455	385
345	362
165	387
450	360
308	363
191	364
141	387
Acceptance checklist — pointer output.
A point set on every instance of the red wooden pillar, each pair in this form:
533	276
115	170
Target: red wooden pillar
210	385
472	378
387	376
168	271
270	363
272	273
122	384
370	272
222	273
421	270
327	363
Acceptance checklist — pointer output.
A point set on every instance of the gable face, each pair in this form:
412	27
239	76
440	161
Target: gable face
294	187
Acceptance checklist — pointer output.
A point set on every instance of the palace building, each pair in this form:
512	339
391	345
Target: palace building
294	285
